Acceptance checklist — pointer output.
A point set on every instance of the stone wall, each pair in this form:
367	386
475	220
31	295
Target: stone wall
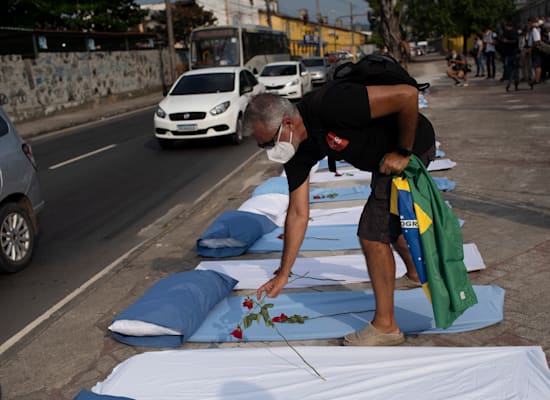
55	81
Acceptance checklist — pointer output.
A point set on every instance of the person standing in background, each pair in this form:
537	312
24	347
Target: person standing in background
509	43
532	42
489	41
525	54
477	53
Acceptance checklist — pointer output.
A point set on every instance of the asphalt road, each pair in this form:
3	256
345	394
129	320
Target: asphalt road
103	185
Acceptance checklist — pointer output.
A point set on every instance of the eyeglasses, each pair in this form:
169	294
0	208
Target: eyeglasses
271	143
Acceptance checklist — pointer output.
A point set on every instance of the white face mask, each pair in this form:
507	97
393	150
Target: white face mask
282	152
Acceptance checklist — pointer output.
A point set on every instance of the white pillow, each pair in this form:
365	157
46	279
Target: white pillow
221	243
131	327
272	205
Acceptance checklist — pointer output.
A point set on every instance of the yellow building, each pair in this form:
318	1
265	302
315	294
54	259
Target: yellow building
305	37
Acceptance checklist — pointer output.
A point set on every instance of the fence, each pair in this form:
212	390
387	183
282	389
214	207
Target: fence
41	76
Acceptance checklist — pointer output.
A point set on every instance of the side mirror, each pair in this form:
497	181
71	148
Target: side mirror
246	89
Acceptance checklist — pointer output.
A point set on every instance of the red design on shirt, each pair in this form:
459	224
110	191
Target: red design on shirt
336	143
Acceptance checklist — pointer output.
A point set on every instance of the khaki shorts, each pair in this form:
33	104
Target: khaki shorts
377	223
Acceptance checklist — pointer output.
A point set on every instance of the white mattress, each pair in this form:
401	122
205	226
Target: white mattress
332	270
407	373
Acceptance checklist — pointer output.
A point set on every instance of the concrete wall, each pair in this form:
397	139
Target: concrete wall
55	81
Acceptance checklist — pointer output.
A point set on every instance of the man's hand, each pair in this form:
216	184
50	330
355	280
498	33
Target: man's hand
273	287
393	164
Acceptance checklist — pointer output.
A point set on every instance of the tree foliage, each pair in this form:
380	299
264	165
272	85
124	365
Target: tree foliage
185	18
386	23
91	15
429	18
433	18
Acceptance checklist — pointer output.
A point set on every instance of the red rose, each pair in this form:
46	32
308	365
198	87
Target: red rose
280	318
238	333
337	174
248	303
281	236
316	197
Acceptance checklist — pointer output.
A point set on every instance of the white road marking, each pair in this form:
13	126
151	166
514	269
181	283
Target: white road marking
72	160
82	288
48	313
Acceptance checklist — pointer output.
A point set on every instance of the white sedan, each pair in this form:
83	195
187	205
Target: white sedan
205	103
289	79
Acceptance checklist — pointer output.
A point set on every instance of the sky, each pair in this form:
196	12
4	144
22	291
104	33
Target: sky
330	8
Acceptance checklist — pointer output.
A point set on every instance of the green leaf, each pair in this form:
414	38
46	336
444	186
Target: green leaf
247	321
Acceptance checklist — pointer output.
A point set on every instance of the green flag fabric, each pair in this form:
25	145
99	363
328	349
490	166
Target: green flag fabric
438	254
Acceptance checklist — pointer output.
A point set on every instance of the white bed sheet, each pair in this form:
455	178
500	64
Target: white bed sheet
397	373
317	271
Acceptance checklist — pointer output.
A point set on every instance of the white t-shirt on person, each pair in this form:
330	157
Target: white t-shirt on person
489	40
534	36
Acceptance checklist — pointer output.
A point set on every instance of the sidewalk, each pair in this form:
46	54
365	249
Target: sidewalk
500	143
106	108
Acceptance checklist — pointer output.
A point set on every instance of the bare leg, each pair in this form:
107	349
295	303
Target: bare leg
381	266
400	245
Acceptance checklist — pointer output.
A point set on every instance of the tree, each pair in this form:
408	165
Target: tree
91	15
430	18
185	18
456	17
387	14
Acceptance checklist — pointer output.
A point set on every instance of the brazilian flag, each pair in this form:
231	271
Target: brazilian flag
434	237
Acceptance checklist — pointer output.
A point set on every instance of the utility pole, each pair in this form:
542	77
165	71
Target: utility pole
171	42
226	3
268	13
319	29
351	30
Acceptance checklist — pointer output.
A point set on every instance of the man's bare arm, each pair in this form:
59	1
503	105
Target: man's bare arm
403	101
297	218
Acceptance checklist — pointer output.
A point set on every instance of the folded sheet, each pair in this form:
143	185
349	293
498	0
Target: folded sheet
276	373
334	314
317	271
440	164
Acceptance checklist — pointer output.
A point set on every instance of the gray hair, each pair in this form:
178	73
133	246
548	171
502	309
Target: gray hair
267	109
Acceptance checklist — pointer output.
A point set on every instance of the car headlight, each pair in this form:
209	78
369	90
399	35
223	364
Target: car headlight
220	108
293	82
160	113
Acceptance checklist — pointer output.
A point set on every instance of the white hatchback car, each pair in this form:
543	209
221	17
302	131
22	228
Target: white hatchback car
206	103
289	79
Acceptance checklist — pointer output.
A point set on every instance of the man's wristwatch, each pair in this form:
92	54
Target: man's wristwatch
403	152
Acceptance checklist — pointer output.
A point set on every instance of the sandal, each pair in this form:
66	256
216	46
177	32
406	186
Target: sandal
404	283
370	336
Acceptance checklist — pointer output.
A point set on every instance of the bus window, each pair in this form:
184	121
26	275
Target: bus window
222	46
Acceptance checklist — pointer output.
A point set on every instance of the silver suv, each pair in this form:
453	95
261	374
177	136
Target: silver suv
20	199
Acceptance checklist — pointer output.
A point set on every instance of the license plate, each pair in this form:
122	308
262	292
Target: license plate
187	127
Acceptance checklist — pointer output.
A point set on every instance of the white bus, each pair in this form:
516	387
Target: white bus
251	47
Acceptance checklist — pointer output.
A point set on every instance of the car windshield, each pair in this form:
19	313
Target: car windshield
205	83
313	62
279	70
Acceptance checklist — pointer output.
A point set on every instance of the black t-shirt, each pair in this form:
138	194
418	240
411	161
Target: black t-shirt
338	122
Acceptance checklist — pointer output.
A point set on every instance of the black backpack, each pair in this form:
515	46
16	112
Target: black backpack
377	69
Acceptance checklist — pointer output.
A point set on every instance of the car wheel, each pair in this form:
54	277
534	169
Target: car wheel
166	144
237	137
17	238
